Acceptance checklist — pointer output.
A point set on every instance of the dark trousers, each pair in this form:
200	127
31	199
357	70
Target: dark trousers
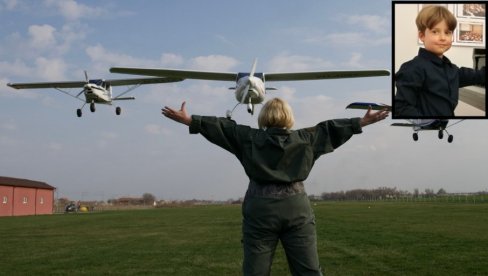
290	220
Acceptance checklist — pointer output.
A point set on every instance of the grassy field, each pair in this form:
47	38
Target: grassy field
355	238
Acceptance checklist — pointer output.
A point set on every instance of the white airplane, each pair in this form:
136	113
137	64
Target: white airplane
417	125
95	91
250	87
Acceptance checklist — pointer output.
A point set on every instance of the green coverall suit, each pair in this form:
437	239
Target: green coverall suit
276	206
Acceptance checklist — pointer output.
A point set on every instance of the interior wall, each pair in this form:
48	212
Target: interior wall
406	39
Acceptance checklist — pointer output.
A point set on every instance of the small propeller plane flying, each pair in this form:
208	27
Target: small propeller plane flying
96	91
250	87
440	125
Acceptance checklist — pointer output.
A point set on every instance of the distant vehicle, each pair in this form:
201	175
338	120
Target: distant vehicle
417	125
250	86
96	90
70	208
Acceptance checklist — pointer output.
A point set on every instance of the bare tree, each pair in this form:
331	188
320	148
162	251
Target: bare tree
148	199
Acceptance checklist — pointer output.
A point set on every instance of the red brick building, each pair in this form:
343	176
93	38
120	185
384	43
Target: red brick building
22	197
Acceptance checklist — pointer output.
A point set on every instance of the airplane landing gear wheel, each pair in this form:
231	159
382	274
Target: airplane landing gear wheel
250	108
415	136
441	134
78	112
450	138
92	107
118	110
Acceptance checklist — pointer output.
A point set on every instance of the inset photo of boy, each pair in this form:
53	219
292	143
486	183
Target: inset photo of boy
439	60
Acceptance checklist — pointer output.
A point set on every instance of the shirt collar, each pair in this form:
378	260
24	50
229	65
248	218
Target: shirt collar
432	57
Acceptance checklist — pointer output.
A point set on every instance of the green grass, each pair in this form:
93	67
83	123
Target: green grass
355	238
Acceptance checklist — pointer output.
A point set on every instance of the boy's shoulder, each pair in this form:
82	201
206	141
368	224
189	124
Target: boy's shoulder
415	64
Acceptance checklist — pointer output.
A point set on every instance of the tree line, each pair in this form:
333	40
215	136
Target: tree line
382	193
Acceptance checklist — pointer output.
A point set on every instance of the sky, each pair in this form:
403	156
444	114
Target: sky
101	156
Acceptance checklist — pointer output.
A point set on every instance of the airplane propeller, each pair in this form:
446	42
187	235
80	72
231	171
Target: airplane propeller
248	86
83	90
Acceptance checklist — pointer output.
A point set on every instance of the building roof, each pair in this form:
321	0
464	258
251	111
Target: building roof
18	182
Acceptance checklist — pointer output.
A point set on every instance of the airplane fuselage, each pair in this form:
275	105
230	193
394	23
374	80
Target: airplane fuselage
250	90
428	124
97	94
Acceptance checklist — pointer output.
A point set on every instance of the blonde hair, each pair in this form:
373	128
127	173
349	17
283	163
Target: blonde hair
431	15
276	113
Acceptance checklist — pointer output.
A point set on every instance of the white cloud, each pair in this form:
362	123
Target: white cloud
103	57
51	69
43	39
71	10
313	109
107	135
55	146
16	68
8	126
368	30
42	36
44	69
156	129
295	63
9	92
69	34
172	60
106	138
347	38
373	23
213	63
350	39
354	61
8	4
153	129
225	40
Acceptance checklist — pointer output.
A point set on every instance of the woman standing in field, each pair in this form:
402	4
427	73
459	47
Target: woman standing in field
276	159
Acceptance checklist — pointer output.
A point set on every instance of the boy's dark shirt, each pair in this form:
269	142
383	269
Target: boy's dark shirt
428	86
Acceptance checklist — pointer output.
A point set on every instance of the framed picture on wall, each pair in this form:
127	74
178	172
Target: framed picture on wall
470	33
471	19
473	11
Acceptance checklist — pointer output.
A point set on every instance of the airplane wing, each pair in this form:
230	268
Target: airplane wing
425	124
33	85
184	74
324	75
225	76
402	125
120	82
75	84
374	106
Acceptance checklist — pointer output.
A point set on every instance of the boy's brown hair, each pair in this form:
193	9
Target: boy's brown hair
431	15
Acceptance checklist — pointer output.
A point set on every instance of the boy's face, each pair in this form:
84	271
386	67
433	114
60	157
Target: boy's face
438	39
